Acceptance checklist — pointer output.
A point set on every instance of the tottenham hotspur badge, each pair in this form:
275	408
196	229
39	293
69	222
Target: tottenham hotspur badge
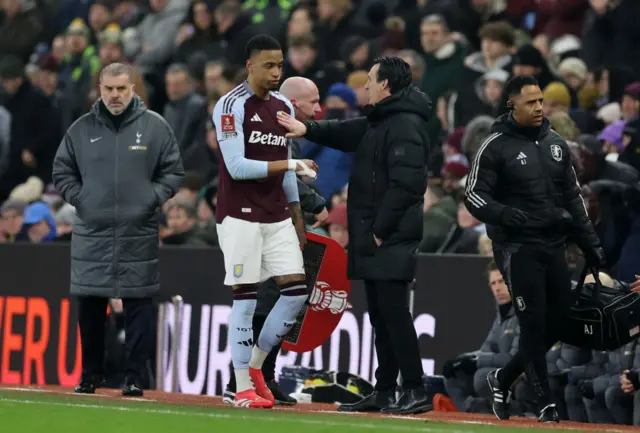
556	152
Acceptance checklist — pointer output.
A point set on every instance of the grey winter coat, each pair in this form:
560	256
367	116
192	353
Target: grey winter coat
117	179
619	360
501	343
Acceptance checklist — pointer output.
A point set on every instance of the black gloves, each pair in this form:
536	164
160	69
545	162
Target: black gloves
586	389
595	257
468	364
513	218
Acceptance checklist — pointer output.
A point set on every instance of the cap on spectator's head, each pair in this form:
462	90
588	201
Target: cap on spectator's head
11	204
49	63
557	92
613	134
500	31
36	212
338	215
11	67
357	79
455	139
528	55
351	44
111	35
610	113
78	27
633	90
456	169
574	66
65	214
344	92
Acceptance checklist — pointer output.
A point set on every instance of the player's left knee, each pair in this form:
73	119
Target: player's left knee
285	280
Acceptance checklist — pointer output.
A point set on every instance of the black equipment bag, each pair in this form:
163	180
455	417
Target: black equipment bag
602	318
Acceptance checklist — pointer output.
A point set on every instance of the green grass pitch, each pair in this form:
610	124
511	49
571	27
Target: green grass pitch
35	412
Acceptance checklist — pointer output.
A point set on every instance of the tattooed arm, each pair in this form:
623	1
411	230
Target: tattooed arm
298	222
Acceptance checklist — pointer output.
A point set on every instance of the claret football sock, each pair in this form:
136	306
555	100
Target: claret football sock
279	321
241	334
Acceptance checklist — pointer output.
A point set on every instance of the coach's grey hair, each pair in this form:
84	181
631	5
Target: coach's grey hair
436	19
115	69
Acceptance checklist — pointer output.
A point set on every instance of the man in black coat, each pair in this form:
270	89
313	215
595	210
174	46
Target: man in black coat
522	185
386	191
117	165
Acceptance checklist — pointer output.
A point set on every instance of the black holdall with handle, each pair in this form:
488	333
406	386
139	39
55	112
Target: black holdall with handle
602	318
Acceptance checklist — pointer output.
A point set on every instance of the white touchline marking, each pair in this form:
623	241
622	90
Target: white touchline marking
367	426
25	389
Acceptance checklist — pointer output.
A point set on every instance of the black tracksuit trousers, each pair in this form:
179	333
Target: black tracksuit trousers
139	335
540	284
396	339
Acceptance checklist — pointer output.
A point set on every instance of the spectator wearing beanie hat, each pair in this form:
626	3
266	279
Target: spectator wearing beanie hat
77	71
574	71
452	173
340	96
556	98
100	15
611	138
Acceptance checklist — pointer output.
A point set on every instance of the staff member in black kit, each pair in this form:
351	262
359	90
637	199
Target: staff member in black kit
523	186
117	165
386	191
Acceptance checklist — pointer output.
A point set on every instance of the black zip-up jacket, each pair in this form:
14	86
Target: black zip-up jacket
387	183
530	170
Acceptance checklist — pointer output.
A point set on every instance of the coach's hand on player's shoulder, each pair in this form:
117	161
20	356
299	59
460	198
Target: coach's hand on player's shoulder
295	127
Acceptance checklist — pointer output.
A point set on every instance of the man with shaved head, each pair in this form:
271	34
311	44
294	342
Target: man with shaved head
304	96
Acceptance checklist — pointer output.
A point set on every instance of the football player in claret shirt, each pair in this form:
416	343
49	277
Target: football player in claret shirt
259	221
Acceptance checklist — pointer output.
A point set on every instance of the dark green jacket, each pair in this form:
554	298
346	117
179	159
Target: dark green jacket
117	179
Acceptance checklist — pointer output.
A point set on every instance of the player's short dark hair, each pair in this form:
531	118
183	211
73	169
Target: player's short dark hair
515	84
261	43
394	69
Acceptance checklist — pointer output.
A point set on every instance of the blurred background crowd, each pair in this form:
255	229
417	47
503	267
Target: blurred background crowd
187	54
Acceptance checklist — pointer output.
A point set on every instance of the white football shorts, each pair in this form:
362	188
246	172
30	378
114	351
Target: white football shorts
254	252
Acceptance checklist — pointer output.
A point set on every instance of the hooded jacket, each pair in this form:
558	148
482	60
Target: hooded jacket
116	178
536	176
387	184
